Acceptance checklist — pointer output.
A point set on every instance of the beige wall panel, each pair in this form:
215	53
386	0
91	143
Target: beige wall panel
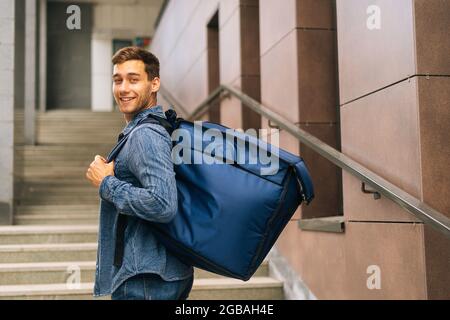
181	62
230	50
289	143
171	26
318	257
381	132
231	109
228	8
279	78
193	88
276	21
287	245
192	42
230	61
372	59
397	249
335	266
363	207
231	113
164	38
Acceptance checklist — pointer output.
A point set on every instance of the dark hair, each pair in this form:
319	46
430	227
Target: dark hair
135	53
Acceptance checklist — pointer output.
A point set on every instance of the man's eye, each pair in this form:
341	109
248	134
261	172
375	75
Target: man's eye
117	81
134	80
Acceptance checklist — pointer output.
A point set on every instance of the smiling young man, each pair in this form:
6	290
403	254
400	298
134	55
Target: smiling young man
137	187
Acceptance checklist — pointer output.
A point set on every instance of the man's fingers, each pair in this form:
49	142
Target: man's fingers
98	157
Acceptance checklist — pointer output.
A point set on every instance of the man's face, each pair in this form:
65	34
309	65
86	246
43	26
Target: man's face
131	88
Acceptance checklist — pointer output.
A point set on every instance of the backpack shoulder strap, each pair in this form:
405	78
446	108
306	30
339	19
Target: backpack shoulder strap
158	120
150	119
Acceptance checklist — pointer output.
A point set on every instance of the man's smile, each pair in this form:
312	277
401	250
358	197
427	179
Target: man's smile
127	99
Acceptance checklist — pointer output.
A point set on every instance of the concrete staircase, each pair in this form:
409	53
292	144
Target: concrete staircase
50	252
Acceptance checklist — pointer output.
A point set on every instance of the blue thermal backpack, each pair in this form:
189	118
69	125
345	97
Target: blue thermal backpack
229	214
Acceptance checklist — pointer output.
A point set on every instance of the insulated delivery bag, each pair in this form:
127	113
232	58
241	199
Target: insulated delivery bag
232	202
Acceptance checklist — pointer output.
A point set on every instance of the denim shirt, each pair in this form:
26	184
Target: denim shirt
143	188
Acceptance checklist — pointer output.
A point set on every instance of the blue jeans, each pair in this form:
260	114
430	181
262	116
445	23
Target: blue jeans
150	286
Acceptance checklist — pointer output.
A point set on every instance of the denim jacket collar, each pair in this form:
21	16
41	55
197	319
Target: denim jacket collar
156	110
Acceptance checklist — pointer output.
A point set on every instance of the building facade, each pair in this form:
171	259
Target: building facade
370	78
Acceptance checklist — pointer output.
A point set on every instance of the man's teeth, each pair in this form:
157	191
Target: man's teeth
126	99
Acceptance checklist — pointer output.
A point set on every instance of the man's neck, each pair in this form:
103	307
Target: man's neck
130	117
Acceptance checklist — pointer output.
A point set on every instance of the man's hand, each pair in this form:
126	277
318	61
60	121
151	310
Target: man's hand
98	170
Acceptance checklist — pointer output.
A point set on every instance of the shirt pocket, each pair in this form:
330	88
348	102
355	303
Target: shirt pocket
122	171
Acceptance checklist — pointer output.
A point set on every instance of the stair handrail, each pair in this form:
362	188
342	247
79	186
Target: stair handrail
418	208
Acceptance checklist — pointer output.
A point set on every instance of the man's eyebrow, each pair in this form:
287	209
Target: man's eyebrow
128	74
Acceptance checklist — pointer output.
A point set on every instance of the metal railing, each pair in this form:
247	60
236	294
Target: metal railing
408	202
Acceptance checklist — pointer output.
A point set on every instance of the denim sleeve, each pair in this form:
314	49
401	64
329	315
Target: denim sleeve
149	159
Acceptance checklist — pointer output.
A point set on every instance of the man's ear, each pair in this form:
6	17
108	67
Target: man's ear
156	83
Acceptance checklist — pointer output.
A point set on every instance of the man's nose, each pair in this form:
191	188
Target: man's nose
124	86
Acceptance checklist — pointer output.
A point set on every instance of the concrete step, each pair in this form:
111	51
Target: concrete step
58	200
64	197
257	288
59	272
46	272
21	253
54	159
61	291
64	219
59	156
87	122
56	138
58	209
83	127
91	193
51	171
41	150
82	118
40	210
263	271
42	191
68	181
64	162
67	175
71	113
81	130
101	125
63	188
75	182
47	234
